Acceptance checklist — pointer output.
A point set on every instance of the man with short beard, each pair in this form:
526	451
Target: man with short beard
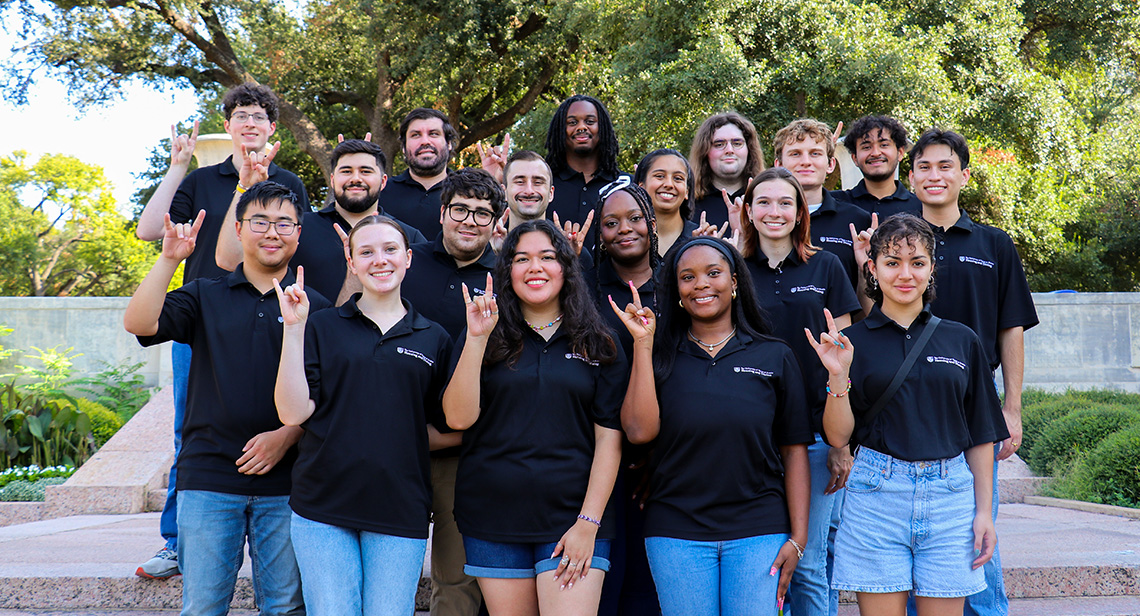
725	155
357	179
877	145
414	196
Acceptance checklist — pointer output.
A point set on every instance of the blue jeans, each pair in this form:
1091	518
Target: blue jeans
730	578
810	592
180	365
991	601
213	528
353	572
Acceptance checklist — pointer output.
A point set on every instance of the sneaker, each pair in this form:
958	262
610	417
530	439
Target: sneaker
163	565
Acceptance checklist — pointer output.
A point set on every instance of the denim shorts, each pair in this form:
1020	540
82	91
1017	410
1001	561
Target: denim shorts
908	526
490	559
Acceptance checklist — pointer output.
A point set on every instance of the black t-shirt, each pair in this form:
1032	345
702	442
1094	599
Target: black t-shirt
575	198
211	189
717	470
604	283
713	207
409	201
794	295
321	250
235	333
831	231
979	282
363	461
686	235
902	200
434	284
526	461
947	403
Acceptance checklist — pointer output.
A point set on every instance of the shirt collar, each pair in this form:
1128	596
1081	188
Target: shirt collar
827	205
736	343
237	277
877	319
901	193
761	259
568	173
406	178
485	261
226	167
412	320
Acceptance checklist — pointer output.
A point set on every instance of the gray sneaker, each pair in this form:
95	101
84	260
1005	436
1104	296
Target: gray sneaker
163	565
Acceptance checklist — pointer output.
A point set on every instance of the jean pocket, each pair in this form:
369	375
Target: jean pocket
864	479
961	481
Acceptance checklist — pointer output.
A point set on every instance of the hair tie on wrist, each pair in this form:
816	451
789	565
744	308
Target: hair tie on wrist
582	516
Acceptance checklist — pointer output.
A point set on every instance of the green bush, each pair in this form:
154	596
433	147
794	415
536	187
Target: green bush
40	429
33	473
1035	418
1109	474
1077	432
29	490
104	423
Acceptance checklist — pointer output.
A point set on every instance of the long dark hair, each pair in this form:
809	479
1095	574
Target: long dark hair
642	174
673	321
607	137
589	335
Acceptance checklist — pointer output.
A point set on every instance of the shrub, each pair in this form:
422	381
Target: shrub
29	490
1109	473
1077	432
104	423
33	473
1035	418
119	388
42	430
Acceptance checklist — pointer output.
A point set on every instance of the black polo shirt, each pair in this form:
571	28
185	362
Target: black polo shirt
713	207
575	198
212	189
409	201
321	251
363	461
717	470
235	333
946	405
526	462
686	234
433	284
604	283
831	231
901	201
794	295
979	281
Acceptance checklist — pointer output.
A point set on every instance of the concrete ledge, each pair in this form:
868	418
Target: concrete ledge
1092	581
20	513
1046	501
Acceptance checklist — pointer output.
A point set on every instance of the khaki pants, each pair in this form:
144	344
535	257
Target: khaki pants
453	593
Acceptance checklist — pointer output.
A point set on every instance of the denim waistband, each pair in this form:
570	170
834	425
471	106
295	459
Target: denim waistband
888	464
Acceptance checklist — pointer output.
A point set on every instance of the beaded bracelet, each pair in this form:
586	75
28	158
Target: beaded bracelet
835	395
799	548
582	516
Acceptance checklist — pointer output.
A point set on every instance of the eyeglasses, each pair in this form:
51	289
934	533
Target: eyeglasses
458	213
721	144
261	225
240	117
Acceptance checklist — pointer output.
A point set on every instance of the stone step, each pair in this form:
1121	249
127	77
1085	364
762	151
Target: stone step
1070	606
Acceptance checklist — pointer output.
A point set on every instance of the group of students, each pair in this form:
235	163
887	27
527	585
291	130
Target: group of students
655	414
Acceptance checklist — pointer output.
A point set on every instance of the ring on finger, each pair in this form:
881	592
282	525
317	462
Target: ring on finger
565	560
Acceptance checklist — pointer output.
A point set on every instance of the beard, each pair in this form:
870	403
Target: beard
433	167
356	205
880	177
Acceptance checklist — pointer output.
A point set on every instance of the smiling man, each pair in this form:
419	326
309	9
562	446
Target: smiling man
428	139
725	155
877	145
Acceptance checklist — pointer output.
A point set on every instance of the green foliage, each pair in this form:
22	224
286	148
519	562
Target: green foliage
1077	433
119	388
37	429
33	491
104	423
54	373
69	239
1108	474
33	473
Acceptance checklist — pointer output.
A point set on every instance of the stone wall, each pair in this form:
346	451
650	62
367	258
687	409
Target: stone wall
1085	340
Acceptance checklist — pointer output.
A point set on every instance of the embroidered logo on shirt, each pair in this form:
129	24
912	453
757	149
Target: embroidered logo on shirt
809	287
835	240
582	358
937	359
976	261
749	370
413	353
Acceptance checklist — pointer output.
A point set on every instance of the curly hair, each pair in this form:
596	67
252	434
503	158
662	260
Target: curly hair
642	174
886	126
589	335
902	228
702	144
801	235
801	129
474	184
607	137
250	93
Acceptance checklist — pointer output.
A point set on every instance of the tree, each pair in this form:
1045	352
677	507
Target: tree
67	238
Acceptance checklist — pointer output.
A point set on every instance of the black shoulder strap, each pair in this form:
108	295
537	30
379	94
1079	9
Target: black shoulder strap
904	370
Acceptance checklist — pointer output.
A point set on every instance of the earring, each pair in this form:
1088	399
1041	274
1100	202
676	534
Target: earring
681	303
734	294
874	282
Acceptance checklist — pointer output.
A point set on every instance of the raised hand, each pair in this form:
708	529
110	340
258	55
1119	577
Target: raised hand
182	146
178	240
707	229
837	134
639	320
255	165
735	208
861	241
493	158
344	241
340	137
834	348
482	311
293	299
499	233
574	232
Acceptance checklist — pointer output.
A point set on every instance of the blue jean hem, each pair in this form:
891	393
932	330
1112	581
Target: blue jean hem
597	562
499	572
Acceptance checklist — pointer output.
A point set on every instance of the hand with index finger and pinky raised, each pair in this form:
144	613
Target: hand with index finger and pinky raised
639	320
293	299
861	240
182	146
482	310
179	239
834	348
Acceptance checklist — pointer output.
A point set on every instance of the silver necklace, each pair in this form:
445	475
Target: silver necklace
708	346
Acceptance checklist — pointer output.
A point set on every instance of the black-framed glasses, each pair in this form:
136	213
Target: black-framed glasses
459	213
261	225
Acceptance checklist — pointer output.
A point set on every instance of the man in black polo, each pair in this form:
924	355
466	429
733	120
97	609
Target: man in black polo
236	457
582	151
877	145
980	282
461	254
725	155
250	120
427	138
357	179
529	187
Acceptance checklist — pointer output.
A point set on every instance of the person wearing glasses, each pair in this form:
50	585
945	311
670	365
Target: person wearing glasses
250	119
236	457
725	154
357	179
461	254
